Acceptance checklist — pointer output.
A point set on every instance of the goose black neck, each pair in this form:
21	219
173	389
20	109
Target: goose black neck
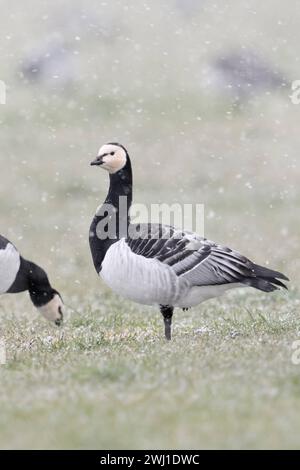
117	203
120	185
33	278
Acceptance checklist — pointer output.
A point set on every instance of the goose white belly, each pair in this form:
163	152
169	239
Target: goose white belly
9	267
197	294
143	280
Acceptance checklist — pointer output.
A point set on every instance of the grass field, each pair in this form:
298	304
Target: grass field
107	378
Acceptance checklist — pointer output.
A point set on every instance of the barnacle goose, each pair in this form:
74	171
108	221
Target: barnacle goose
155	264
19	275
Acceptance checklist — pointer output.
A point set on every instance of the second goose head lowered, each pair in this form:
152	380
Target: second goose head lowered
17	274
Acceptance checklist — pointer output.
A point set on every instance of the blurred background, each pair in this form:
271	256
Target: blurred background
198	92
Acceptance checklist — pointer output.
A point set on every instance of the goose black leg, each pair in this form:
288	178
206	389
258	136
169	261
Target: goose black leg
167	313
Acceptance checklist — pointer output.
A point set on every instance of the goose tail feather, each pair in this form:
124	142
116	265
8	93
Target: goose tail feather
265	279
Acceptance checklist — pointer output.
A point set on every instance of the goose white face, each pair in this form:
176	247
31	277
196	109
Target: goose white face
111	157
53	310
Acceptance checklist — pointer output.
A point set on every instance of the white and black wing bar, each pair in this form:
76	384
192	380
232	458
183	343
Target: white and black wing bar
200	261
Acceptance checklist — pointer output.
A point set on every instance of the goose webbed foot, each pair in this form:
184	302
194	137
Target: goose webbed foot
167	313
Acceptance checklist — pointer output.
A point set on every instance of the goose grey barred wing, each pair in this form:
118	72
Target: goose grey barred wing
168	245
199	261
226	266
181	250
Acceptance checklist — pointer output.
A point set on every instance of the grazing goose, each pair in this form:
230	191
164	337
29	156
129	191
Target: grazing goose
18	275
156	264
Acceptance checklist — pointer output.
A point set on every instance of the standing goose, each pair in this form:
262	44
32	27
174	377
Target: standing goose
155	264
19	275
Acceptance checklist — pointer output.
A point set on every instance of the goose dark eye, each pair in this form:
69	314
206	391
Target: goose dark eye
112	153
